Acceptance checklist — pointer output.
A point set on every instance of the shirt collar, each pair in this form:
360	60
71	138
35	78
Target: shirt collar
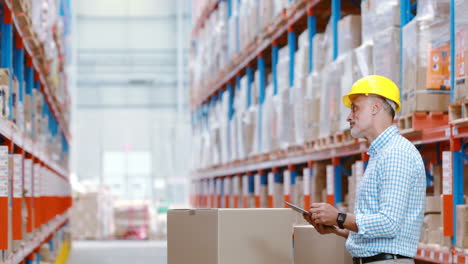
382	140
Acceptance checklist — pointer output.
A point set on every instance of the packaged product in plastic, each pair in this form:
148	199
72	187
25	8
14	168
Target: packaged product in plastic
318	51
329	96
367	18
283	69
267	115
364	59
266	10
349	75
253	121
285	121
387	14
386	54
349	32
312	106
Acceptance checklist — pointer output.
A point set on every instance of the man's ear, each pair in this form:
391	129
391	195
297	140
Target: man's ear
376	106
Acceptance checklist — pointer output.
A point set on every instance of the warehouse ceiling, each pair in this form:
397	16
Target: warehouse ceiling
124	44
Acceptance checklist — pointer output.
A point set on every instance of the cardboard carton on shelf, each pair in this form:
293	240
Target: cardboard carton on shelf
230	236
462	226
433	204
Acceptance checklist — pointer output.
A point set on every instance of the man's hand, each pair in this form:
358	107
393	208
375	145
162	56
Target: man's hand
322	229
324	214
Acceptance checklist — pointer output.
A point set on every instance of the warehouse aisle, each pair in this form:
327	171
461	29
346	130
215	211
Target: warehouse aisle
118	252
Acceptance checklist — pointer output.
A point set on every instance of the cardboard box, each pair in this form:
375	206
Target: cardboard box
423	101
230	236
462	226
312	247
437	173
433	221
433	204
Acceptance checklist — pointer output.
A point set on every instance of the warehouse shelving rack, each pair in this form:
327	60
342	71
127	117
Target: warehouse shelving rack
439	139
26	63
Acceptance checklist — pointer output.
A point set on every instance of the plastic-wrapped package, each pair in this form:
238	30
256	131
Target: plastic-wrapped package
298	114
285	122
301	67
363	56
349	32
329	96
253	121
386	54
367	18
318	51
267	115
461	46
312	106
328	44
266	10
387	14
283	69
349	75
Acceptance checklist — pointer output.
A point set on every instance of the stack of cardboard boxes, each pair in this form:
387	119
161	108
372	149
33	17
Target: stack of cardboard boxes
426	60
92	215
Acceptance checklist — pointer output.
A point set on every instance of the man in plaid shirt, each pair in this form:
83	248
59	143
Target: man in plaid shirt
390	199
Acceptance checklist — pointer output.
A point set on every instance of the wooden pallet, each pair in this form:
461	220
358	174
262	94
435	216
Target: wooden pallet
418	121
325	142
458	112
343	137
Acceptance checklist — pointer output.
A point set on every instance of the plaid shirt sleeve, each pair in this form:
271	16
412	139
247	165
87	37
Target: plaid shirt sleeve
395	177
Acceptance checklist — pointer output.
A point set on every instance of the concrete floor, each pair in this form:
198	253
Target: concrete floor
118	252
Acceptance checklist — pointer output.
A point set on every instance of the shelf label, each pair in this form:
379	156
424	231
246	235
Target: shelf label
235	185
306	178
4	171
245	185
447	175
330	180
17	176
286	182
271	183
227	186
28	177
257	184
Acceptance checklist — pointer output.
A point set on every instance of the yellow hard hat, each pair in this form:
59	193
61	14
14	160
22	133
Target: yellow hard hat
375	84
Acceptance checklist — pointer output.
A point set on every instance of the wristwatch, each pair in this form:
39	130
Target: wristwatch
341	219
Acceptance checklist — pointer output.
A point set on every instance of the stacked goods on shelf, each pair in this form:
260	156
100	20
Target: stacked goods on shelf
132	220
311	247
282	101
209	52
318	182
269	139
312	107
462	226
426	76
301	70
92	215
357	172
220	236
432	233
461	46
332	87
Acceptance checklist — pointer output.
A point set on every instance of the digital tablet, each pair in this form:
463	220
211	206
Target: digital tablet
297	208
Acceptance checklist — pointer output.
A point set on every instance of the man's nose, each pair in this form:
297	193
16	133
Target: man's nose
349	118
